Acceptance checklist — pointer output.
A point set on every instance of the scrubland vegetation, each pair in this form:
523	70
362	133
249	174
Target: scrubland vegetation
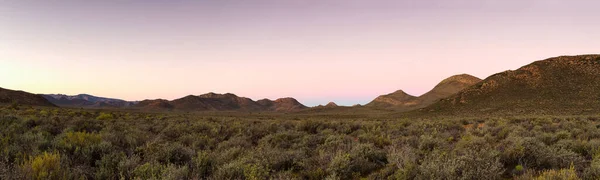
55	143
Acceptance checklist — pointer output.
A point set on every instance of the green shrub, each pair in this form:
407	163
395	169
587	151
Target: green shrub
44	166
80	139
469	164
202	165
562	174
154	170
149	170
256	172
108	166
232	170
105	116
405	161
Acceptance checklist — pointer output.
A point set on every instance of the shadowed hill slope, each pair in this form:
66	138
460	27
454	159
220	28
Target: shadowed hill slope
24	98
560	85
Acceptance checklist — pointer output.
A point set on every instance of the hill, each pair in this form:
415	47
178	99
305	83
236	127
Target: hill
87	101
23	98
222	102
402	101
560	85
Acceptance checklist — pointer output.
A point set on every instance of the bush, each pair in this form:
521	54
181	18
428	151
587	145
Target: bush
44	166
108	166
566	174
156	170
80	139
469	164
104	116
202	165
405	161
362	160
232	170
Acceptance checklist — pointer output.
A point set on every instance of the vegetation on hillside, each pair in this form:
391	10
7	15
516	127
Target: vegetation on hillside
54	143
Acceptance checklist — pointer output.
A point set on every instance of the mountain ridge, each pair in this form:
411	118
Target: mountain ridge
223	102
557	85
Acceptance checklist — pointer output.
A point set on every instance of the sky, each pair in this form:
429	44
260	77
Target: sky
317	51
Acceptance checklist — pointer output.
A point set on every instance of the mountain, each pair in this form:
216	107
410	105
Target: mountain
331	104
23	98
400	100
217	102
559	85
86	100
281	104
157	104
222	102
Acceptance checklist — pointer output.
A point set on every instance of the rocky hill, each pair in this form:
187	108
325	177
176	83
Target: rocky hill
560	85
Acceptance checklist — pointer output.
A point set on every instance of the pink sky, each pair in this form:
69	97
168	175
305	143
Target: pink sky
346	51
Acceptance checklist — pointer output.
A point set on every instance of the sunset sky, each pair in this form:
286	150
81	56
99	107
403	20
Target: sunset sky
346	51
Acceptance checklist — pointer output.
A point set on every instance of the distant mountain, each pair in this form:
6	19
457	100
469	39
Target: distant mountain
560	85
86	100
281	104
400	100
331	104
216	102
23	98
222	102
157	104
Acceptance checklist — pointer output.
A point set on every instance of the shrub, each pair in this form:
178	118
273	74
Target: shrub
469	164
105	116
80	139
154	170
44	166
405	161
340	166
438	165
108	166
256	172
202	165
232	170
128	165
566	174
149	170
44	113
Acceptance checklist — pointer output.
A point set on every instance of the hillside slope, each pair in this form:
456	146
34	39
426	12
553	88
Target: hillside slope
23	98
560	85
